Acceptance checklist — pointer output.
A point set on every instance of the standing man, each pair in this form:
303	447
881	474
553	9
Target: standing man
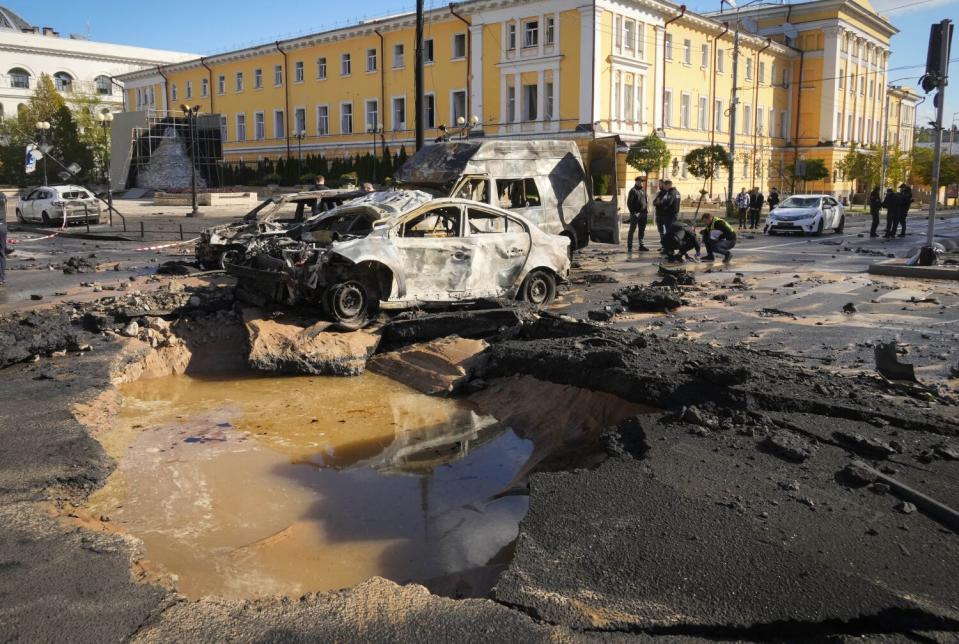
719	237
875	203
756	201
742	203
3	250
891	203
773	200
320	183
638	205
667	208
905	203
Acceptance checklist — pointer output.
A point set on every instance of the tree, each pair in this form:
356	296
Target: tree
807	170
703	163
46	104
921	168
649	155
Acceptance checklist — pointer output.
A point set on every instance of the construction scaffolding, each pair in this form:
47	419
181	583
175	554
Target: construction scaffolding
165	150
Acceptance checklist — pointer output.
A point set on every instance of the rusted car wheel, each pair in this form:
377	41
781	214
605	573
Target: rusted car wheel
349	305
539	288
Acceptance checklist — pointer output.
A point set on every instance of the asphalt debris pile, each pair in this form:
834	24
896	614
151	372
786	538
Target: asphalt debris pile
78	265
650	299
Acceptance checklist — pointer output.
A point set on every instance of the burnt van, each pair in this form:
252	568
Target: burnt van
544	181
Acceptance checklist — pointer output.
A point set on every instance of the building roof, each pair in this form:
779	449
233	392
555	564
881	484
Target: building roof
12	22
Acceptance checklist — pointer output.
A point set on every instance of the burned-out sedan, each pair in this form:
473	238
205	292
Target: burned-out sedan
430	252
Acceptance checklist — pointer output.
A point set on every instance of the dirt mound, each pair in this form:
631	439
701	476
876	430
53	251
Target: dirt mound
649	299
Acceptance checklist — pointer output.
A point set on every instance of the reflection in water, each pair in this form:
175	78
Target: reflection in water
257	486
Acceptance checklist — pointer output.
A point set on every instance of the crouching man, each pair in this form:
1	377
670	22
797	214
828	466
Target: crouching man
678	242
718	237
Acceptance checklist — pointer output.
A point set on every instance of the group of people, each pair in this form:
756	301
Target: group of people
677	240
750	206
897	206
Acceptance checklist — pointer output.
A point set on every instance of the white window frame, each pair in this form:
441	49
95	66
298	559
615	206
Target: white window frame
549	100
240	119
278	76
238	82
277	112
720	60
704	56
372	60
747	119
429	51
431	120
321	69
258	78
511	36
703	113
668	46
221	85
204	87
173	92
550	31
466	107
668	108
687	51
399	55
629	35
296	112
372	124
343	114
395	101
259	126
189	89
530	34
299	71
719	110
324	111
453	40
346	65
686	120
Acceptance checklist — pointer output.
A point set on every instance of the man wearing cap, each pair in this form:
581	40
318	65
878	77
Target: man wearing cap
667	208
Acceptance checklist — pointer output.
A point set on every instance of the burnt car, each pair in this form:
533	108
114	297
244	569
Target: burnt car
404	248
273	217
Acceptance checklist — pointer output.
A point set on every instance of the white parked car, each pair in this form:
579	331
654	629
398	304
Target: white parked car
806	214
403	249
50	205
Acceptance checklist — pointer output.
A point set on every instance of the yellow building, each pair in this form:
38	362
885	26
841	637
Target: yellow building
811	80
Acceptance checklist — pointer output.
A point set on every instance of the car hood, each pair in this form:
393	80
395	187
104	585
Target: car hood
793	213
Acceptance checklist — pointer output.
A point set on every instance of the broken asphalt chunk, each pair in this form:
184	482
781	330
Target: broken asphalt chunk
645	299
888	365
864	445
788	446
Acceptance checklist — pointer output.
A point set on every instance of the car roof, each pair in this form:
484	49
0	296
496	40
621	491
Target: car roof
820	196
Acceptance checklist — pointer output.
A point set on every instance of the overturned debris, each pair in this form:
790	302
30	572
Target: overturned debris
649	299
412	328
888	365
438	367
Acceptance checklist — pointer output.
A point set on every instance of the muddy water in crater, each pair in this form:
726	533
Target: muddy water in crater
247	487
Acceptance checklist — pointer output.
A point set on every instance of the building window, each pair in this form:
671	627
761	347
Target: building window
204	87
241	127
399	113
703	113
669	46
549	105
459	46
511	37
189	89
458	106
322	120
704	57
684	108
370	60
346	118
299	120
718	115
321	68
530	102
618	32
221	84
278	75
550	30
688	52
629	34
760	115
785	79
747	119
224	129
19	78
429	111
173	92
346	65
279	124
104	85
531	33
372	115
871	88
772	121
762	72
783	125
862	85
720	60
257	79
749	68
399	56
842	78
299	72
511	104
63	82
428	52
259	128
239	81
668	108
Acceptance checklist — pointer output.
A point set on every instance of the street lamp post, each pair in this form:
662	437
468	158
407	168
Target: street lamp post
106	118
299	136
191	115
467	127
42	128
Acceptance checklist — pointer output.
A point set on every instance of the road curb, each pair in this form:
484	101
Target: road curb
924	272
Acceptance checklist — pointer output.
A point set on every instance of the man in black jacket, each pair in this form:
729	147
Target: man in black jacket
773	199
756	201
678	243
667	203
875	203
638	205
891	203
905	203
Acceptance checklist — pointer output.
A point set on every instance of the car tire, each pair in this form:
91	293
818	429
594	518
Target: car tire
539	288
350	304
819	229
45	218
842	225
227	257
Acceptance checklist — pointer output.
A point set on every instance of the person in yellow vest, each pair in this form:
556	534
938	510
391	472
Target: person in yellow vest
718	237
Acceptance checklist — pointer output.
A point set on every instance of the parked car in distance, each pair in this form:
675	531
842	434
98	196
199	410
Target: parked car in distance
806	214
58	205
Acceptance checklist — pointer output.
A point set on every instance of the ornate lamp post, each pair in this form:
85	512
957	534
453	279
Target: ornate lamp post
42	128
299	136
462	123
191	114
106	119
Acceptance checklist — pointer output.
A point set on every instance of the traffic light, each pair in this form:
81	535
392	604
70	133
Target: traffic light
940	41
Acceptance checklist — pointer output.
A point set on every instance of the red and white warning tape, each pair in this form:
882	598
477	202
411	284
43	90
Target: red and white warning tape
63	226
162	246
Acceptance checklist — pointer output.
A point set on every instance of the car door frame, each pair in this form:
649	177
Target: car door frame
603	216
32	197
484	241
465	247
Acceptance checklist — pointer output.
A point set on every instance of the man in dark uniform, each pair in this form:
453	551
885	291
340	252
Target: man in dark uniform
756	201
667	203
875	203
773	199
891	203
905	203
719	237
678	242
638	205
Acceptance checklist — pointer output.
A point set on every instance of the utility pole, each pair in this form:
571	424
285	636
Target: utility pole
732	127
885	143
937	77
418	81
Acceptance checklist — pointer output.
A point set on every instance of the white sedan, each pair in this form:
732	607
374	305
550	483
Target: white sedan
58	205
806	214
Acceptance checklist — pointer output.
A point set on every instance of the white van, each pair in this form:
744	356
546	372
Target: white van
545	181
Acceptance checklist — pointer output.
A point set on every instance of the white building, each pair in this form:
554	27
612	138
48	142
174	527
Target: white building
77	65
